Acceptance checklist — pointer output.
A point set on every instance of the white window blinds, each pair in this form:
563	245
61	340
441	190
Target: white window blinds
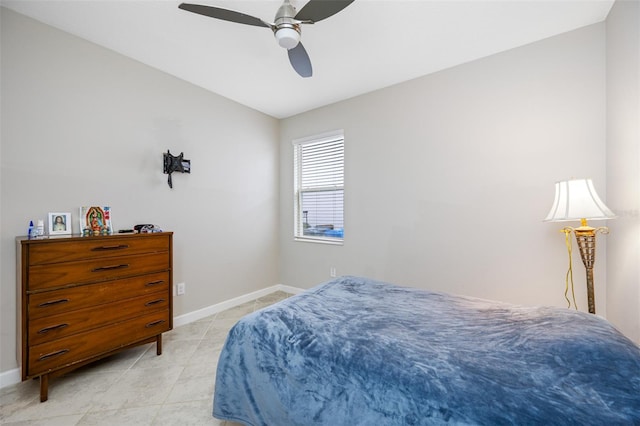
319	188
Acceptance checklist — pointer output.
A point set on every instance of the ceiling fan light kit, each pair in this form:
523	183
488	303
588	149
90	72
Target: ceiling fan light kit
286	26
288	37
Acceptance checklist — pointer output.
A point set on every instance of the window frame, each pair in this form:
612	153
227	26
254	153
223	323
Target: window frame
298	232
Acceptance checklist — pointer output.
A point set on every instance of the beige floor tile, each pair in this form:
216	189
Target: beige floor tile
48	421
192	413
272	297
15	398
139	416
174	352
237	312
203	362
195	330
140	387
68	395
192	389
219	329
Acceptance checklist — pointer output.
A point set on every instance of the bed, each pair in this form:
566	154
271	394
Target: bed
354	351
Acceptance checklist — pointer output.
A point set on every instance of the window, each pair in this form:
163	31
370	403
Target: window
319	188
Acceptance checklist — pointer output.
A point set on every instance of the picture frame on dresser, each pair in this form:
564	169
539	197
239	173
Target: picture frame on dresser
59	223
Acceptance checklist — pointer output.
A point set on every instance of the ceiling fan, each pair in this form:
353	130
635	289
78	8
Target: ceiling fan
285	26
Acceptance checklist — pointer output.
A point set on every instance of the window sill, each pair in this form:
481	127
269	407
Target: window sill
329	241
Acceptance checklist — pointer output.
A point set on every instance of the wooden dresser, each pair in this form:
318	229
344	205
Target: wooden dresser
84	298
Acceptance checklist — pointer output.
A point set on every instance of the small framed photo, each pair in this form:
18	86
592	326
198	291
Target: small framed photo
59	223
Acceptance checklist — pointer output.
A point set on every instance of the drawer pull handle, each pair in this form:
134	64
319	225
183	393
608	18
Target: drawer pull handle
52	302
52	354
110	268
154	323
152	283
53	327
154	302
105	248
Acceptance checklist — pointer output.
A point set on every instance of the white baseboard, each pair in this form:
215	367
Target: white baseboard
11	377
227	304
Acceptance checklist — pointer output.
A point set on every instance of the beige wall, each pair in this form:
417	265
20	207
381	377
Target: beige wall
448	177
83	125
623	166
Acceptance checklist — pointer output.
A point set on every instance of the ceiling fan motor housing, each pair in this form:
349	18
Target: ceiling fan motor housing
287	29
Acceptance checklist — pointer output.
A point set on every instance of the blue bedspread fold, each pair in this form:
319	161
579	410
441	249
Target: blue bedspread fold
354	351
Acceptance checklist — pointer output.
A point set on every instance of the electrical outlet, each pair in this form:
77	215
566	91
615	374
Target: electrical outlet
180	288
332	271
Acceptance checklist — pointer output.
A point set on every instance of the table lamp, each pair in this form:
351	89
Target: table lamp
576	199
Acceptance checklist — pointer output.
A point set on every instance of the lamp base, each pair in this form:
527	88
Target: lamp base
591	300
586	239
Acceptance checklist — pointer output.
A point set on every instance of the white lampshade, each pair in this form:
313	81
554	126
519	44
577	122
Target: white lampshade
287	37
577	199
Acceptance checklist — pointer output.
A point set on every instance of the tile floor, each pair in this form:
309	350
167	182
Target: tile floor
136	387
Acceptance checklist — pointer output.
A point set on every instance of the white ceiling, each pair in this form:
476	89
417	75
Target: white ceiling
369	45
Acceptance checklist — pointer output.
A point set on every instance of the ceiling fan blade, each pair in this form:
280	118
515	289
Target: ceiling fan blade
300	60
317	10
224	14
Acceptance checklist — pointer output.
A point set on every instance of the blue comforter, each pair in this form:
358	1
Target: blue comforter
359	352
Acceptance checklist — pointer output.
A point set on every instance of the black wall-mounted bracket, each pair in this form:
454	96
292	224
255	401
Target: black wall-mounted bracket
174	163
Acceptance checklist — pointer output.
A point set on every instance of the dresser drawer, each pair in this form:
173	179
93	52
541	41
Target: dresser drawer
79	347
53	327
70	299
96	248
64	274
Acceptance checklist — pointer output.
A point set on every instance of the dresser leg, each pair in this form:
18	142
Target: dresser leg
44	387
159	344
